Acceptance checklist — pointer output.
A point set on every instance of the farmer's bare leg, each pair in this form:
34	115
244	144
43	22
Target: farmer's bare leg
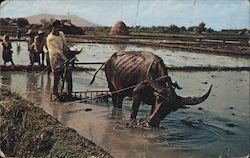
57	76
69	81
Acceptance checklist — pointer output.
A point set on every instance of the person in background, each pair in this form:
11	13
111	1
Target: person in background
18	33
18	38
30	40
7	50
56	44
39	43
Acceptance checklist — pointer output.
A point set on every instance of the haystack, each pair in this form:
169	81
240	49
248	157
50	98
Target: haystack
119	28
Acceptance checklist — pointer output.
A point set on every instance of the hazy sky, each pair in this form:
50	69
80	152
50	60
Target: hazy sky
217	14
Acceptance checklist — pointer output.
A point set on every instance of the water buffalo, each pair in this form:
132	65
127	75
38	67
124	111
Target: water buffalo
144	77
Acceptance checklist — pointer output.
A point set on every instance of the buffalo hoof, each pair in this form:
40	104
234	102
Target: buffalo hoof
144	122
133	123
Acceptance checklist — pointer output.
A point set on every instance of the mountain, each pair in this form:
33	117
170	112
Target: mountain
36	19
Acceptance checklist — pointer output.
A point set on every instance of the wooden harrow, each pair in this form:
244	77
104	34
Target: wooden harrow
98	95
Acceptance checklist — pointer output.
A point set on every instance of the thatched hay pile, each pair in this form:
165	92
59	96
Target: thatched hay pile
119	28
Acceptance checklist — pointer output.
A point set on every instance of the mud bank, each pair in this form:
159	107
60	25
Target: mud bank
28	131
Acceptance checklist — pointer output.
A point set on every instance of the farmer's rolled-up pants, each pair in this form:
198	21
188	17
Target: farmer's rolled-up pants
68	78
58	74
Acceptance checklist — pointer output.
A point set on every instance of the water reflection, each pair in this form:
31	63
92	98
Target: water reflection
117	114
6	79
33	88
32	81
42	82
18	48
48	85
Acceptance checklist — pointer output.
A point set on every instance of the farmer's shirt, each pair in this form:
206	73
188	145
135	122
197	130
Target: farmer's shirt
56	45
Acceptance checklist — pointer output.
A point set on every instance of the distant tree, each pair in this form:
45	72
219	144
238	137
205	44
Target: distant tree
162	29
21	22
209	30
190	29
13	21
201	27
153	27
137	28
183	29
173	29
4	21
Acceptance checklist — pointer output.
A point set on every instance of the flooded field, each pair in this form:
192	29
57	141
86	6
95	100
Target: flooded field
219	127
101	52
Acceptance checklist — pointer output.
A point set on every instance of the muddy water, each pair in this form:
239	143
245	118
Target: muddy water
219	127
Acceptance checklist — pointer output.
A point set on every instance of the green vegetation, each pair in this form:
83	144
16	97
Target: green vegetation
173	29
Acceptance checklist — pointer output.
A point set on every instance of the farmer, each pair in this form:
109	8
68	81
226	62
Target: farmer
7	52
38	44
30	40
56	44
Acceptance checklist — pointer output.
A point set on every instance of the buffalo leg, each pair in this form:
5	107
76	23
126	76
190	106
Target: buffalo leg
134	111
113	96
135	108
137	99
152	109
114	99
156	109
155	118
119	101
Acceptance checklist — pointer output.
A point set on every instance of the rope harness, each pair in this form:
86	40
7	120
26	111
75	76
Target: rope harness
124	89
